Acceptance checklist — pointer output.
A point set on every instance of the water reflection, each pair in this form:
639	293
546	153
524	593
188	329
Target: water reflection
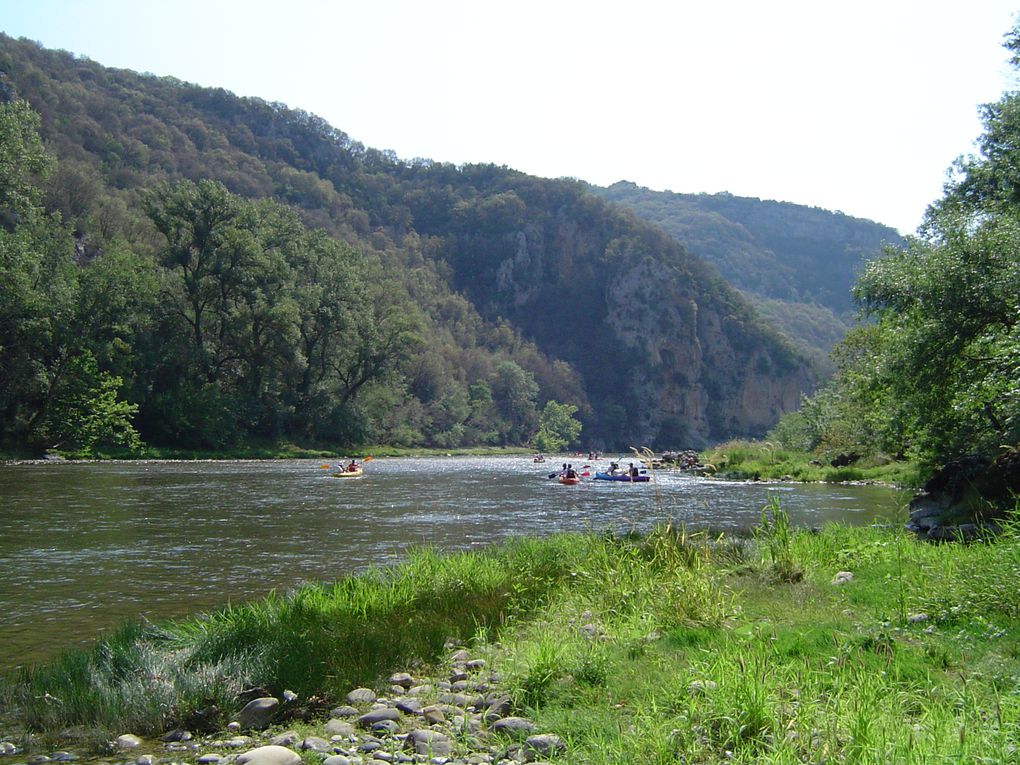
83	547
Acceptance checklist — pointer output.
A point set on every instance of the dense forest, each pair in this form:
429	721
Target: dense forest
191	268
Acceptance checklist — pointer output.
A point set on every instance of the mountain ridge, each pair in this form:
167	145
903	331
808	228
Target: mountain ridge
646	338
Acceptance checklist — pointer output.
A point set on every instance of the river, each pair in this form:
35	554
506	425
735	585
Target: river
85	546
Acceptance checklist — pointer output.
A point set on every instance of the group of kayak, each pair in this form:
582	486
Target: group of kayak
570	476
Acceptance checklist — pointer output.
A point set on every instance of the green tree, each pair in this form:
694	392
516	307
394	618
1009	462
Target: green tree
936	372
514	391
87	411
56	316
557	427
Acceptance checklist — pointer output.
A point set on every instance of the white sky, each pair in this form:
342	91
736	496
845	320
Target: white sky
859	107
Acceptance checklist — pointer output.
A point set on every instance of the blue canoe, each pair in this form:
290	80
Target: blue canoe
622	477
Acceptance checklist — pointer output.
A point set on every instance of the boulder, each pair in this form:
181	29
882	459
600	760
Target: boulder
517	727
269	755
543	745
128	741
258	713
361	696
430	742
369	719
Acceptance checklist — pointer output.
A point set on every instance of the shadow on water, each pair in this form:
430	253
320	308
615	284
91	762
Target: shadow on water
84	547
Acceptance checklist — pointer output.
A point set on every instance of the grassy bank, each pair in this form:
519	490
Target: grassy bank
762	460
663	648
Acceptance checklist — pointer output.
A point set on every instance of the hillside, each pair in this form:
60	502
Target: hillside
795	263
590	304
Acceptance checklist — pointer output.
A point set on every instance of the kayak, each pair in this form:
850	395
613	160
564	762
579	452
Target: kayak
348	473
569	481
622	477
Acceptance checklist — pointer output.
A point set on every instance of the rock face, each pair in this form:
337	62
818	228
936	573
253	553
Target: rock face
669	355
709	374
967	497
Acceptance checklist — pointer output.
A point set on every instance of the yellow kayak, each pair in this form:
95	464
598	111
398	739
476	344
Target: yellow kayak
348	473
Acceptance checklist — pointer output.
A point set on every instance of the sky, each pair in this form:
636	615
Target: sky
857	107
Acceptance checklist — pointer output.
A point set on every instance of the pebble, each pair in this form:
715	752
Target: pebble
418	724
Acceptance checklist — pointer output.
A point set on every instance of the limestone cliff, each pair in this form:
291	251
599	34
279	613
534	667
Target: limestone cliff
670	355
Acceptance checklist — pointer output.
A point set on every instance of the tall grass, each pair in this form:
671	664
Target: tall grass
798	669
765	460
321	639
663	648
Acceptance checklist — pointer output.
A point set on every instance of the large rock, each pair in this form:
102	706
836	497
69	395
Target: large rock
269	755
543	745
258	713
430	742
514	726
369	719
128	741
361	696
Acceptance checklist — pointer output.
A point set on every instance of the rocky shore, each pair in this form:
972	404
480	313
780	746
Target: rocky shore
461	718
967	499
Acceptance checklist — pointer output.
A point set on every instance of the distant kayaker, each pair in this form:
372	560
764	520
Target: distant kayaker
633	471
352	466
570	472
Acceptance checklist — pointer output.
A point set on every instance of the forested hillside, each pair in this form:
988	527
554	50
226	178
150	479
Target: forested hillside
218	269
796	264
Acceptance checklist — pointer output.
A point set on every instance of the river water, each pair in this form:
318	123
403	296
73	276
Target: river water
85	546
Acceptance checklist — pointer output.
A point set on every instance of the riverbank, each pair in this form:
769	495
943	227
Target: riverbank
267	452
764	461
847	644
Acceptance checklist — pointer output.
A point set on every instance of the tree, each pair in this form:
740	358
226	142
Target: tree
937	370
513	392
557	427
87	411
56	316
946	349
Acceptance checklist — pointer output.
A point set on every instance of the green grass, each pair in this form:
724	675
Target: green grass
662	648
763	460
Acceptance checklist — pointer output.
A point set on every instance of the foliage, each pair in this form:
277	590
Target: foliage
774	460
934	372
557	427
55	315
773	537
463	268
86	411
